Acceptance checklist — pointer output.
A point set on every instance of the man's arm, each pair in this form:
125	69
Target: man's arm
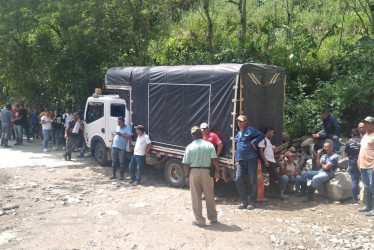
187	173
261	151
148	148
216	165
257	137
219	148
66	131
327	166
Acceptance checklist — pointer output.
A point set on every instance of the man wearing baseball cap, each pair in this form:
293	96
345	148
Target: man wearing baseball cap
72	133
142	147
212	138
246	156
366	164
197	159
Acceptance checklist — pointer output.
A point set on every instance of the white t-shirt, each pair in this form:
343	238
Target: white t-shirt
48	125
68	119
141	144
268	151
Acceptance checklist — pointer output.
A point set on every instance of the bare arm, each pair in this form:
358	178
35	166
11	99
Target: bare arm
263	157
148	148
219	149
216	165
187	173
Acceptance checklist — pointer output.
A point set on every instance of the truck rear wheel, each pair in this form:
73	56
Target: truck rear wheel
101	153
174	173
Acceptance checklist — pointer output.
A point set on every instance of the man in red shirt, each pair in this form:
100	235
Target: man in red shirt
212	138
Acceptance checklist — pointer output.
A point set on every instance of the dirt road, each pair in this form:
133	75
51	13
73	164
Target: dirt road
48	203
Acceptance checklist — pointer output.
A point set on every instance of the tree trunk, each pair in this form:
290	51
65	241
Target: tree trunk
210	26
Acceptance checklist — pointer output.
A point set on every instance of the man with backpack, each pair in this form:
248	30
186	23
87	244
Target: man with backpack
266	152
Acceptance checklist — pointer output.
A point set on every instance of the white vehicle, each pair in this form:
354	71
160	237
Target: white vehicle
169	100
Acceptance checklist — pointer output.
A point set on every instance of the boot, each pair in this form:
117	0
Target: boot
122	174
2	142
114	173
17	142
369	203
371	212
65	156
303	187
6	143
69	157
310	195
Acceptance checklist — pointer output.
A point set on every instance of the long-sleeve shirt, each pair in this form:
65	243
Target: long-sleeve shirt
244	140
331	126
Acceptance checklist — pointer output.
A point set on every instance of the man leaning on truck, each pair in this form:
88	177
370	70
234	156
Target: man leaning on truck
122	135
246	156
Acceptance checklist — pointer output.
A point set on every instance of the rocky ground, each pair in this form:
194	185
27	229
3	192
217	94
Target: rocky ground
47	203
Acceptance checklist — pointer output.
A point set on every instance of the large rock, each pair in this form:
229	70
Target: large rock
343	163
306	144
285	137
304	137
338	188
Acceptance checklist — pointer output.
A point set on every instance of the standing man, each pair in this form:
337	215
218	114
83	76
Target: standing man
72	133
197	160
35	125
142	147
328	163
122	135
246	156
366	165
212	138
68	116
266	150
18	124
331	129
6	125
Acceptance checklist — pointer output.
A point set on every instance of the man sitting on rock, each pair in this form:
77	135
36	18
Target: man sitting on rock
331	129
328	163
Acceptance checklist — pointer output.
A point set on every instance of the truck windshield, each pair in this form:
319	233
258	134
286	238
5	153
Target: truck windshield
95	110
117	110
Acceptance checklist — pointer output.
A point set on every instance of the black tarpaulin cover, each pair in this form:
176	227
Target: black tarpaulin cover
170	100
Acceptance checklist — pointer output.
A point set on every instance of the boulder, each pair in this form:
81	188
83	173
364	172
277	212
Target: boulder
343	163
306	144
305	137
338	188
285	137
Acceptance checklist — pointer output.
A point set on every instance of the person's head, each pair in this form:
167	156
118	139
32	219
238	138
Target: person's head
369	124
121	121
45	108
76	116
196	133
204	128
67	110
355	133
361	128
56	112
327	146
324	114
8	106
242	121
17	107
46	113
317	140
35	110
269	132
140	129
290	156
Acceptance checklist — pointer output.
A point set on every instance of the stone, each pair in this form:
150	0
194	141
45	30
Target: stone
16	188
10	207
292	149
100	191
343	163
273	239
1	213
32	184
111	212
337	189
304	137
306	144
309	165
285	137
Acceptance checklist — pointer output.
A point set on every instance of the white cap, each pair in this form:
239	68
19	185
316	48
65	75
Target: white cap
204	125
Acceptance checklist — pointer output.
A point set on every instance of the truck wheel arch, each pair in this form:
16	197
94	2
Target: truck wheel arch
101	157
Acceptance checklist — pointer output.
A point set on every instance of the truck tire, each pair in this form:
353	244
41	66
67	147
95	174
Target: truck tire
174	173
101	153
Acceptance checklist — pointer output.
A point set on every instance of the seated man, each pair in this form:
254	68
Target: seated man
331	130
328	163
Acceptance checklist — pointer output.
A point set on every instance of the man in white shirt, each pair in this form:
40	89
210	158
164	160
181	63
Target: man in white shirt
142	147
68	116
266	150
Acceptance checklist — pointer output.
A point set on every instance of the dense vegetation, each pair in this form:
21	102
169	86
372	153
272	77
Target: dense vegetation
57	51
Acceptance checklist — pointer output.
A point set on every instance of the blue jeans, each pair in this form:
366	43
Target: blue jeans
118	158
6	131
19	133
368	180
83	148
247	167
317	177
136	164
46	135
292	179
355	176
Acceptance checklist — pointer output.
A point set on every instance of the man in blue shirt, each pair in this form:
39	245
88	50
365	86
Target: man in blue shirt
331	130
121	136
6	124
35	125
246	156
328	163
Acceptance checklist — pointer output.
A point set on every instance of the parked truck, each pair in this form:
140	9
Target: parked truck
169	100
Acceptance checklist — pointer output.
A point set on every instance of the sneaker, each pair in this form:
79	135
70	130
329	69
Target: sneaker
251	206
45	150
131	181
243	206
54	148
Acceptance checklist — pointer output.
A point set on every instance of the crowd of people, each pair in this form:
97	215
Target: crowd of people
201	156
57	127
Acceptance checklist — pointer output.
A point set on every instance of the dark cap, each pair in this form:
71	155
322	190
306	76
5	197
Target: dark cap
195	131
8	106
121	118
76	113
140	127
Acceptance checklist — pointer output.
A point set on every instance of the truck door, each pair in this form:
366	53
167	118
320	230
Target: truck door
94	119
115	110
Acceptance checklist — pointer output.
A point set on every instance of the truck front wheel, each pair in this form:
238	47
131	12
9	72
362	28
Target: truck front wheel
101	153
174	173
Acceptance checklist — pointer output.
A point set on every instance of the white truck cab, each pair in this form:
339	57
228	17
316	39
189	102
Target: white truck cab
100	120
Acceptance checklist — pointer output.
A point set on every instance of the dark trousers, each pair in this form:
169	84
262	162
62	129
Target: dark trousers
355	176
71	144
35	130
57	136
275	179
118	159
247	167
